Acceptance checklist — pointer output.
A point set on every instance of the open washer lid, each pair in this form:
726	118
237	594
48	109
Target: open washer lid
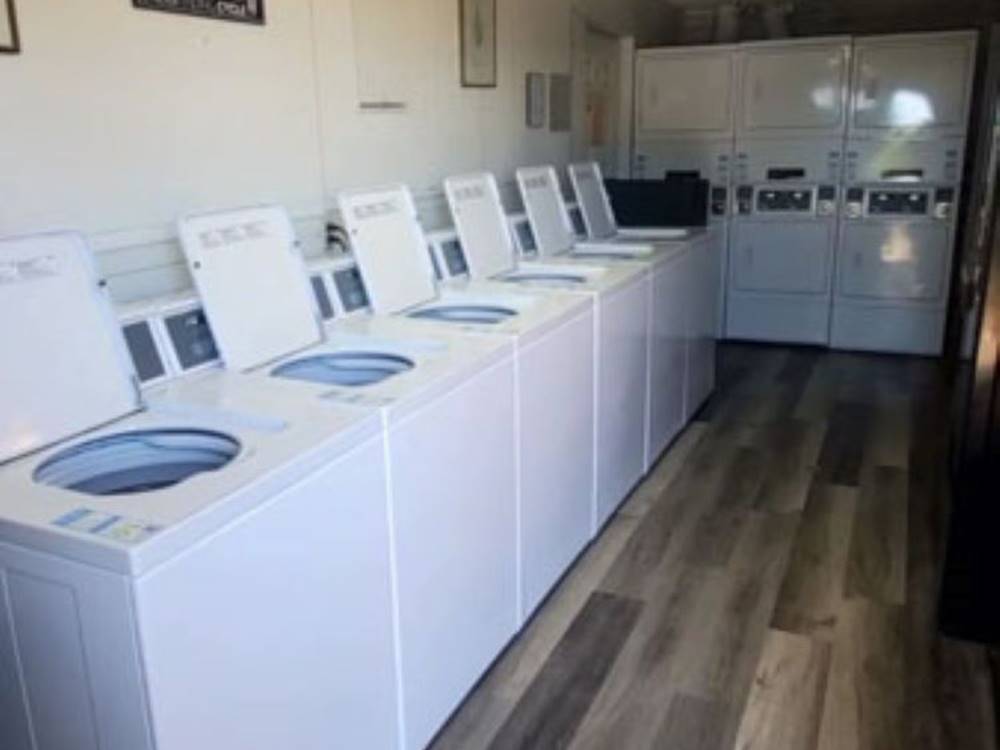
253	284
481	224
546	209
390	247
588	183
65	369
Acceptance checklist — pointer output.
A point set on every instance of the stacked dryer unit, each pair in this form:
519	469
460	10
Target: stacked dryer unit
791	115
906	139
686	102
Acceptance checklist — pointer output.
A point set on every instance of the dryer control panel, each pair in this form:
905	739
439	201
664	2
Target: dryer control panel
886	203
784	201
778	200
338	287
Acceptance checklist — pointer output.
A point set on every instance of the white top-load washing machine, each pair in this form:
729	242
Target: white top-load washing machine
553	334
672	396
705	269
451	498
147	545
621	322
598	215
710	160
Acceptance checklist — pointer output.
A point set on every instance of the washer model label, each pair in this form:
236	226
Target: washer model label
116	528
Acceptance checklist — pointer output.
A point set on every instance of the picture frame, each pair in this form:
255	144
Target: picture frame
240	11
478	48
10	39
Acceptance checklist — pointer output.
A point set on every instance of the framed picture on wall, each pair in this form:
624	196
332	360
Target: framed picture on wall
10	42
478	25
244	11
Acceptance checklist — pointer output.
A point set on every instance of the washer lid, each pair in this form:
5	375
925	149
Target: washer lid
481	224
252	282
593	199
546	209
65	370
390	247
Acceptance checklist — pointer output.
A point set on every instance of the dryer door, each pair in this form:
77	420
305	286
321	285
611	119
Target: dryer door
894	261
685	93
772	257
912	84
794	90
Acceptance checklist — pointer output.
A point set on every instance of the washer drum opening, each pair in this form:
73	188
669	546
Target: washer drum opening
484	314
133	463
546	278
351	369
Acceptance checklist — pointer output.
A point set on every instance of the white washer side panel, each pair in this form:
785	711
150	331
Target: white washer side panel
556	383
454	506
278	631
704	269
15	724
73	634
668	355
621	399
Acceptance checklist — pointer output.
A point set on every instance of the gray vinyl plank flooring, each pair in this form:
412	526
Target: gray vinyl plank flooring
771	584
552	707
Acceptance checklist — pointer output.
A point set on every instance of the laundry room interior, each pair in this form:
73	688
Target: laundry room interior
404	374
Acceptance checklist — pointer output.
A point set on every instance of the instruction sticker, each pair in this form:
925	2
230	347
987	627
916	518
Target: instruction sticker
108	526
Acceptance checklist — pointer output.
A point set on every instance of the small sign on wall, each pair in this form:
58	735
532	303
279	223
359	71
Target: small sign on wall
536	100
560	103
244	11
10	43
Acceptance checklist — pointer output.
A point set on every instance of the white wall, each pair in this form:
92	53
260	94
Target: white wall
115	121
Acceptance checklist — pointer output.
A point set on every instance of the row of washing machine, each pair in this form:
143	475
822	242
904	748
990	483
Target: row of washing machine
309	506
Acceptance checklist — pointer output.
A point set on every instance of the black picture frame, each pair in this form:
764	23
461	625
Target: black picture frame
472	79
240	11
13	45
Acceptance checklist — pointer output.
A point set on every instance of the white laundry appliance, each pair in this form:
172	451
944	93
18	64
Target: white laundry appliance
783	241
910	101
705	272
686	104
175	566
598	215
791	118
671	289
452	502
621	320
894	259
553	335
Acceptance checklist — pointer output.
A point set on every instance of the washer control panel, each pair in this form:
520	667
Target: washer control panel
168	338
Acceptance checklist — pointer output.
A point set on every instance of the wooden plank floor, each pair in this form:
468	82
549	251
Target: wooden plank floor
770	586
